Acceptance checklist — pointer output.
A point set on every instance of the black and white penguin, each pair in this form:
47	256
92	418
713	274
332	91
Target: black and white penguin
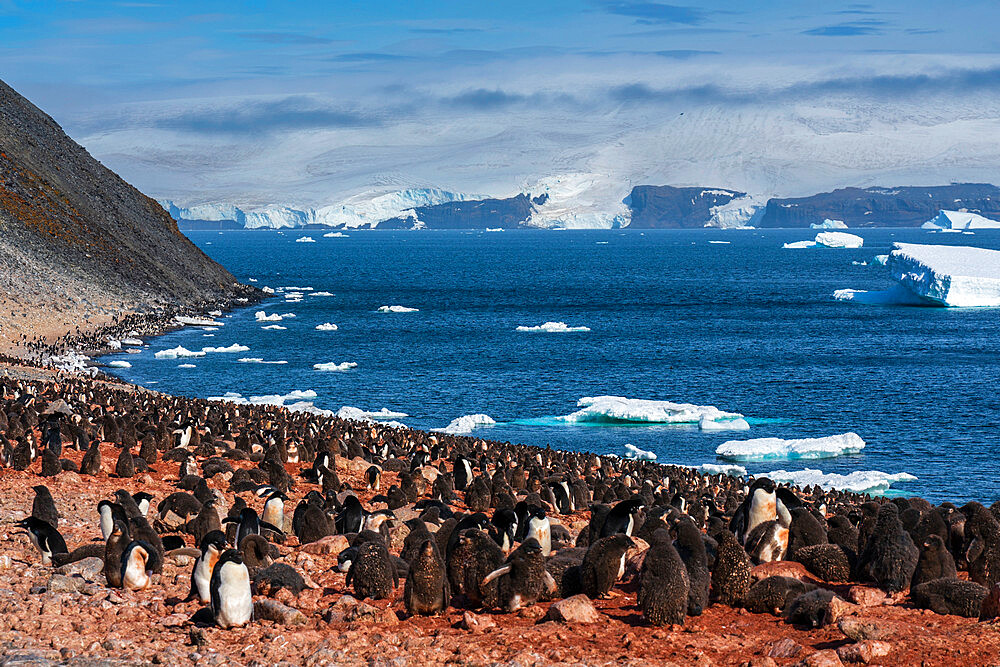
44	507
760	506
138	562
248	523
768	541
620	519
504	528
522	578
213	545
231	598
563	496
539	529
109	512
604	564
43	537
462	471
663	583
351	516
373	477
274	510
142	500
426	591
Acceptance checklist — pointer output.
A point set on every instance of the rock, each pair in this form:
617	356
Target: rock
272	610
865	596
60	583
358	464
477	624
783	568
991	604
858	630
533	613
758	661
348	609
331	544
784	648
174	620
88	568
838	609
429	473
25	657
825	658
864	651
575	609
70	477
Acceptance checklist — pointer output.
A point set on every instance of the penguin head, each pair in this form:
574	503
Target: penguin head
215	540
530	547
762	483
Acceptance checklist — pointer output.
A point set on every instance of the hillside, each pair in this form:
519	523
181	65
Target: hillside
77	243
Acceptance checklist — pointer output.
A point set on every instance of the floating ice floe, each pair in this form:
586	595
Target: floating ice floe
937	275
829	240
196	322
706	424
71	362
768	449
235	347
494	229
262	316
178	353
553	327
717	469
258	360
397	309
335	235
620	409
120	364
633	452
274	327
251	280
326	326
321	294
721	242
880	260
114	344
335	367
357	414
829	224
466	423
859	481
267	290
186	366
134	342
958	221
305	239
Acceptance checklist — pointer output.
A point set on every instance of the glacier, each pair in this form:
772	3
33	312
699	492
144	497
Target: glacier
740	213
959	220
859	481
578	201
611	409
766	449
936	275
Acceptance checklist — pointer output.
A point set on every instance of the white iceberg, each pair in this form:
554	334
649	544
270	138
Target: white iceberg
186	366
466	423
620	409
553	327
235	347
305	239
829	224
267	290
262	316
859	481
178	353
357	414
795	245
706	424
274	327
335	367
335	235
633	452
397	309
326	326
258	360
880	260
959	220
936	275
131	341
768	449
717	469
829	240
120	364
321	294
196	322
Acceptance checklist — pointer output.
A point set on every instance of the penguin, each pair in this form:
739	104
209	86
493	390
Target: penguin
562	496
759	507
114	549
231	598
44	507
480	556
274	510
43	537
503	528
829	562
773	594
604	564
810	609
523	577
950	596
138	562
372	573
351	517
313	524
890	557
462	471
731	575
205	522
768	541
426	591
620	519
125	466
935	562
664	585
248	523
91	463
109	512
256	553
691	549
213	545
273	578
540	529
142	500
373	477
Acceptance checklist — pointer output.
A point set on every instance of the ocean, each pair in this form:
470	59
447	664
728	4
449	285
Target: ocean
726	318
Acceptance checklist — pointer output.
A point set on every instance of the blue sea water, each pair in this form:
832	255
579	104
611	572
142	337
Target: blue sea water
746	326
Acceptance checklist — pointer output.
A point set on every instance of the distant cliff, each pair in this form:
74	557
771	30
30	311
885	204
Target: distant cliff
667	207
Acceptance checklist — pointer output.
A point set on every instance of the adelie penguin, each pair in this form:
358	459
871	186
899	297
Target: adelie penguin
373	477
43	537
138	563
114	550
108	513
604	564
274	510
248	523
663	583
372	573
620	519
213	545
231	598
351	517
523	578
426	591
44	507
760	506
731	577
540	529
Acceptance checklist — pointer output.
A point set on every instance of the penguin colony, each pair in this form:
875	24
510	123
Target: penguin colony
459	522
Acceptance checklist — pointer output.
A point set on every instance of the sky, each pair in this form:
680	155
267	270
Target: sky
310	103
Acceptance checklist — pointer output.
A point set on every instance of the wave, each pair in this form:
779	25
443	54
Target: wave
397	309
770	449
178	353
621	410
466	423
258	360
335	367
859	481
553	327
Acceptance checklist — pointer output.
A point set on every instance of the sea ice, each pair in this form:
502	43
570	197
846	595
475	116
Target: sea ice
262	316
716	469
305	239
553	327
186	366
274	327
859	481
794	245
397	309
177	353
335	235
706	424
196	322
829	240
335	367
258	360
621	409
767	449
120	364
321	294
326	326
357	414
633	452
235	347
466	423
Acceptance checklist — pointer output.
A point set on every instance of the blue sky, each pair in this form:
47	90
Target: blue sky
348	96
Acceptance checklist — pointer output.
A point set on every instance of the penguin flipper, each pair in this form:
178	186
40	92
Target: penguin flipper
271	527
495	574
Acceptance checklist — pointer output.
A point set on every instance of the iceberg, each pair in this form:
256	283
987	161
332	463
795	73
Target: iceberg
397	309
357	414
936	275
196	322
335	235
859	481
706	424
120	364
633	452
829	240
235	347
261	316
305	239
553	327
795	245
326	326
274	327
880	260
829	224
959	220
767	449
466	423
178	353
618	409
258	360
716	469
335	367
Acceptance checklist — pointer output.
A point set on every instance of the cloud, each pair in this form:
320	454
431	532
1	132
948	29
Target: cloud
367	57
296	112
656	12
446	31
850	29
286	38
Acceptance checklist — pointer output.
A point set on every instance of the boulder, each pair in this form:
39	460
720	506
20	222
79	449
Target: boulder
331	544
272	610
575	609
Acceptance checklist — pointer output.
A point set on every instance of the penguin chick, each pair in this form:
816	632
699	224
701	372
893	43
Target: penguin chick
426	591
483	557
372	573
731	574
935	562
691	548
663	583
44	507
232	601
950	596
604	564
829	562
810	609
890	557
522	578
114	549
773	594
